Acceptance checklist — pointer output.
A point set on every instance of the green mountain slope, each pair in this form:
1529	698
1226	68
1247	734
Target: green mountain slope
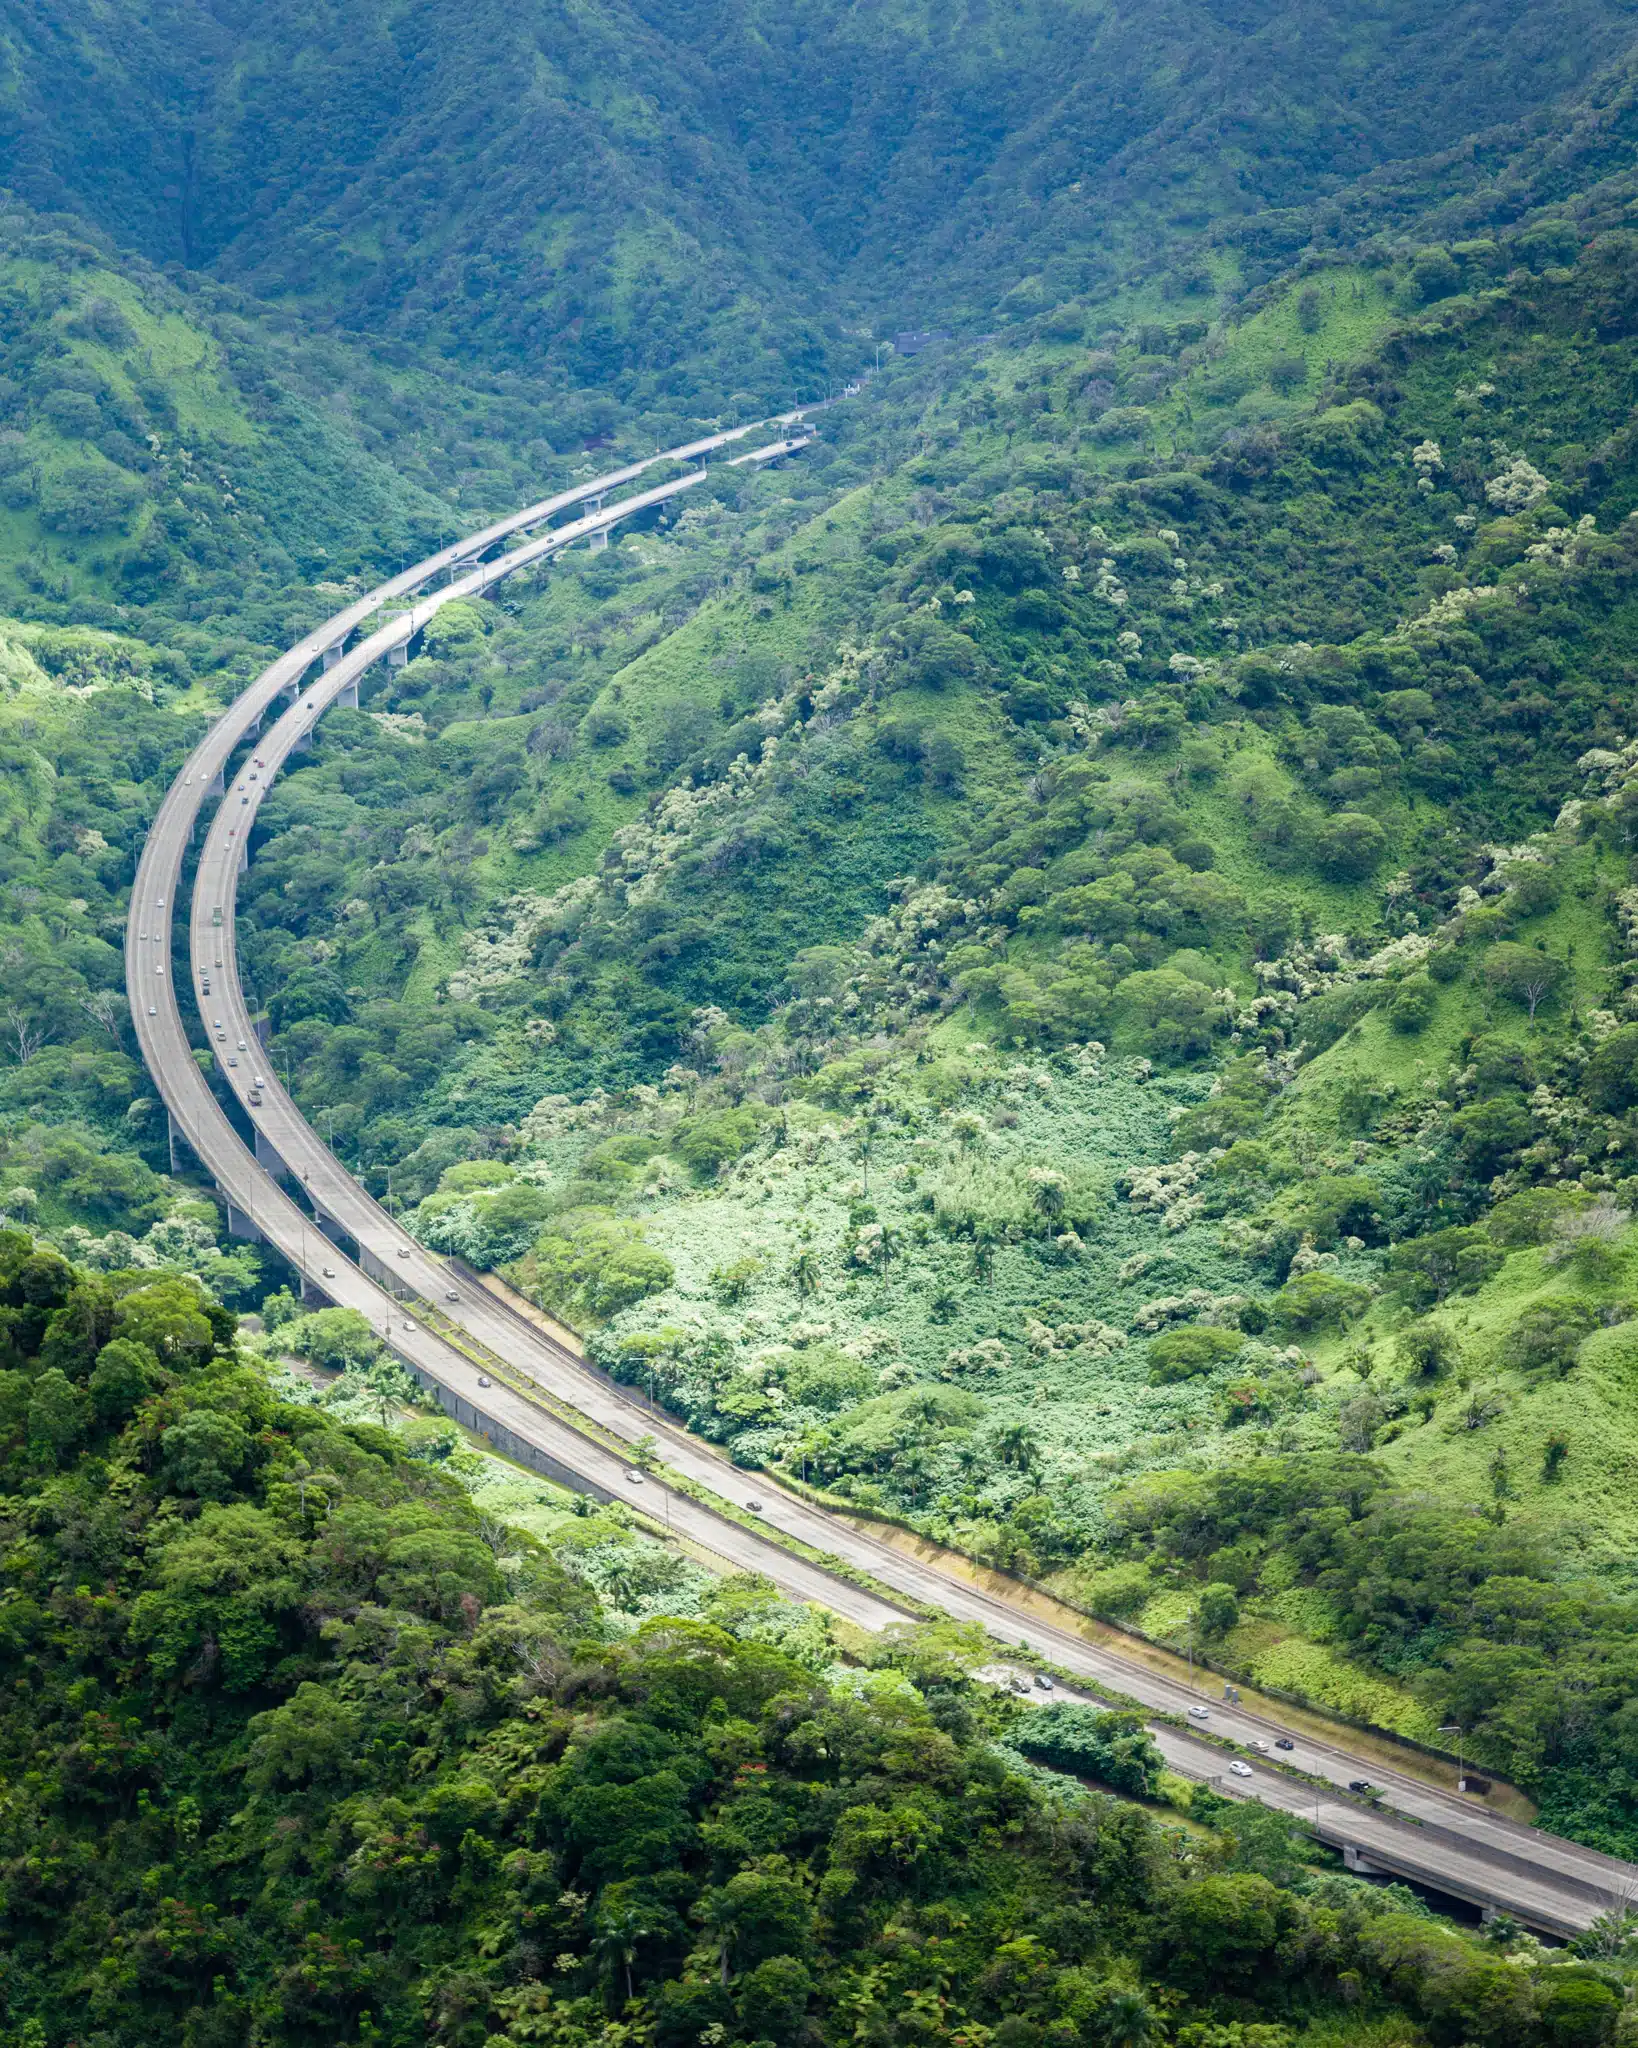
1052	840
654	201
169	456
1059	969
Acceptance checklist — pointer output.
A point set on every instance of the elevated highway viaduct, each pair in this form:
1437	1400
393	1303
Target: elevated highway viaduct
536	1400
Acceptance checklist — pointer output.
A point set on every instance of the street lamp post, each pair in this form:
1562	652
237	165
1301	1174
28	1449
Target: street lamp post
1455	1728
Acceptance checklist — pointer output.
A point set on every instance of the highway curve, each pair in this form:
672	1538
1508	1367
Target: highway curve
506	1376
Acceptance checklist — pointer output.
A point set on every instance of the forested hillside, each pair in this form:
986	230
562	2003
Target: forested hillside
299	1749
649	202
1059	969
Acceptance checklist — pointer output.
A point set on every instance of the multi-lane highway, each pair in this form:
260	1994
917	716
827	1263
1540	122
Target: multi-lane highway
501	1374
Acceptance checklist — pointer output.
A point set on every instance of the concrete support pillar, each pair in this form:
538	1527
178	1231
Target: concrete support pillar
599	540
217	786
268	1157
254	727
264	1031
328	1226
244	855
174	1134
333	654
239	1223
303	741
592	504
311	1291
398	657
348	695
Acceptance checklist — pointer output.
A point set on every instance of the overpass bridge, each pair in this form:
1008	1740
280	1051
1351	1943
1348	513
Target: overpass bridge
502	1376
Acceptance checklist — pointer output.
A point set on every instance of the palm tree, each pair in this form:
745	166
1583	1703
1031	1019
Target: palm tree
616	1941
717	1912
865	1143
1016	1445
805	1274
1126	2022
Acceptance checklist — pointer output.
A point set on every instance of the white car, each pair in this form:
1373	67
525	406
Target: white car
634	1478
1260	1747
1239	1770
152	1012
242	1046
484	1379
1199	1713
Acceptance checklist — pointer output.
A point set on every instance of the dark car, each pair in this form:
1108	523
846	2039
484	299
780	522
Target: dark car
1284	1742
1362	1786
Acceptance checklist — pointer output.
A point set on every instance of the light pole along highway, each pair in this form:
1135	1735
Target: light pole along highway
550	1408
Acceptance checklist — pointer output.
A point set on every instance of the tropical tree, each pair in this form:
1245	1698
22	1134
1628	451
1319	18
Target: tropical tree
617	1935
1522	974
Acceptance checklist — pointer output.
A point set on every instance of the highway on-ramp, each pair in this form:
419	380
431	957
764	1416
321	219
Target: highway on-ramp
502	1375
